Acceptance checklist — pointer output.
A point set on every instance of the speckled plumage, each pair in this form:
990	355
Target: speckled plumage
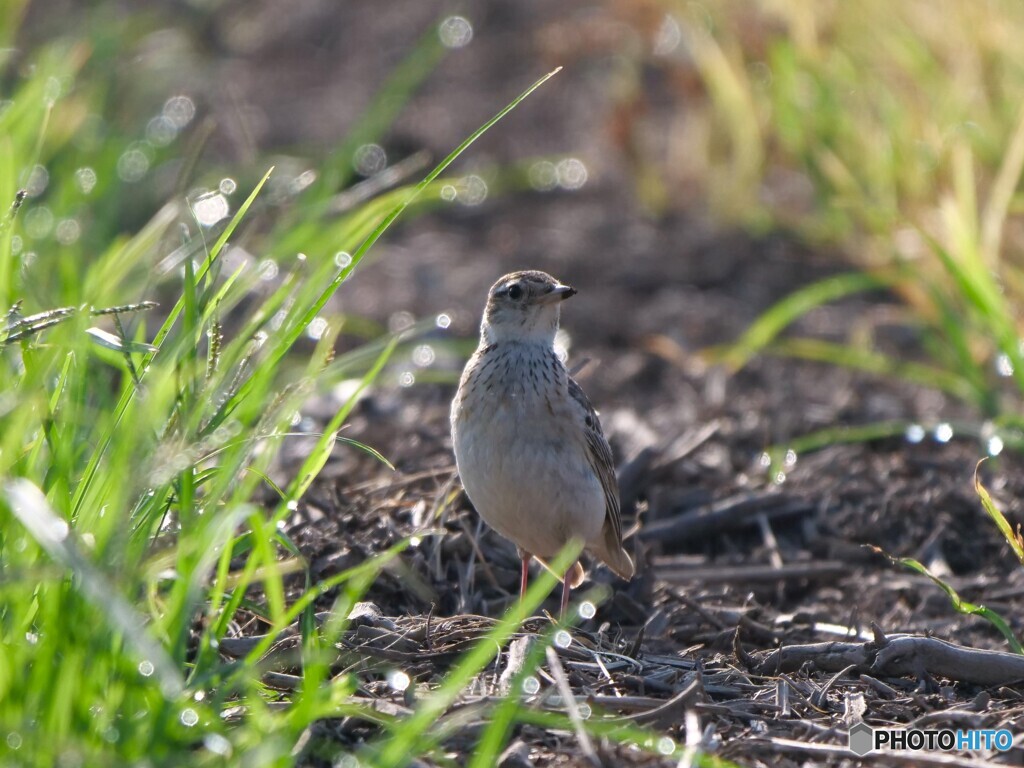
528	444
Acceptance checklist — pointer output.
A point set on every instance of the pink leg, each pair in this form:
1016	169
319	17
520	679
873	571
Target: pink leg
524	577
565	596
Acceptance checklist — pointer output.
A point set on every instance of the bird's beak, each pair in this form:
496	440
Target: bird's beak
558	293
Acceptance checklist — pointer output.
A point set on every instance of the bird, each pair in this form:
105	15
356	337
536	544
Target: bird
528	444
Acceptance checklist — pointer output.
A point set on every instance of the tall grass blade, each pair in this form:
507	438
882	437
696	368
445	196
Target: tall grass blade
54	535
1013	538
790	309
959	604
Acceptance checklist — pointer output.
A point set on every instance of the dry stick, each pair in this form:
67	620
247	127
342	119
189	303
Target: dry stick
750	573
687	697
728	514
901	655
473	539
570	705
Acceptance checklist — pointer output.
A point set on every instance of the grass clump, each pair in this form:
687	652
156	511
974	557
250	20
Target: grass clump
895	132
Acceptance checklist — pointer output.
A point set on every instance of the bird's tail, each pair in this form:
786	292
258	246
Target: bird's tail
614	554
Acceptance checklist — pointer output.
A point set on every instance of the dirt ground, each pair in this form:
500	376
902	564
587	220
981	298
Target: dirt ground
733	566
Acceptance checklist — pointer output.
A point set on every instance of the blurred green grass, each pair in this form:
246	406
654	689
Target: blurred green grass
894	131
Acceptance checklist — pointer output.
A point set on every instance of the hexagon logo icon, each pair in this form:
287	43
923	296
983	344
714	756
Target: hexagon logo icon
862	739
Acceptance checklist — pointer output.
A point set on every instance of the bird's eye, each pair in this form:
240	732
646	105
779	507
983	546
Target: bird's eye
515	292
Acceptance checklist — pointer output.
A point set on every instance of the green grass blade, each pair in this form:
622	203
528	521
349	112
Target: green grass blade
838	435
794	306
321	452
959	604
848	356
129	394
1014	539
53	534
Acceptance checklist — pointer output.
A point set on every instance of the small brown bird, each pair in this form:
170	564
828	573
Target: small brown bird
528	444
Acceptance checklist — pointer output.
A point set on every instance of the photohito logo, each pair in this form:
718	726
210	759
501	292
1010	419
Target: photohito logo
864	739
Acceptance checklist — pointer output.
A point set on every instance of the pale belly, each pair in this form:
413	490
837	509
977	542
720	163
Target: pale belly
528	475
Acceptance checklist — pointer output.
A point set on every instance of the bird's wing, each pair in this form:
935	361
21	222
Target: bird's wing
599	454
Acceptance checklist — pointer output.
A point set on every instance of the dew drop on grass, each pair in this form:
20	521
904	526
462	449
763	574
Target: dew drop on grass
189	717
316	328
764	460
914	434
585	711
780	478
200	695
133	165
1004	366
443	320
995	445
943	433
146	668
179	110
52	91
292	505
342	259
398	680
227	186
543	176
572	173
267	269
448	193
563	639
531	685
38	222
666	745
36	181
790	460
406	379
68	231
211	208
415	541
455	32
217	744
474	190
400	321
14	740
161	131
369	159
302	181
423	356
85	179
587	610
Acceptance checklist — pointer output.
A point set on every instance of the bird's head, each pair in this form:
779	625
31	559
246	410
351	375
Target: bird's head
523	306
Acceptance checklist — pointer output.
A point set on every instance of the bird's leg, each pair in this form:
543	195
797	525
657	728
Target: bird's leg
566	589
525	574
